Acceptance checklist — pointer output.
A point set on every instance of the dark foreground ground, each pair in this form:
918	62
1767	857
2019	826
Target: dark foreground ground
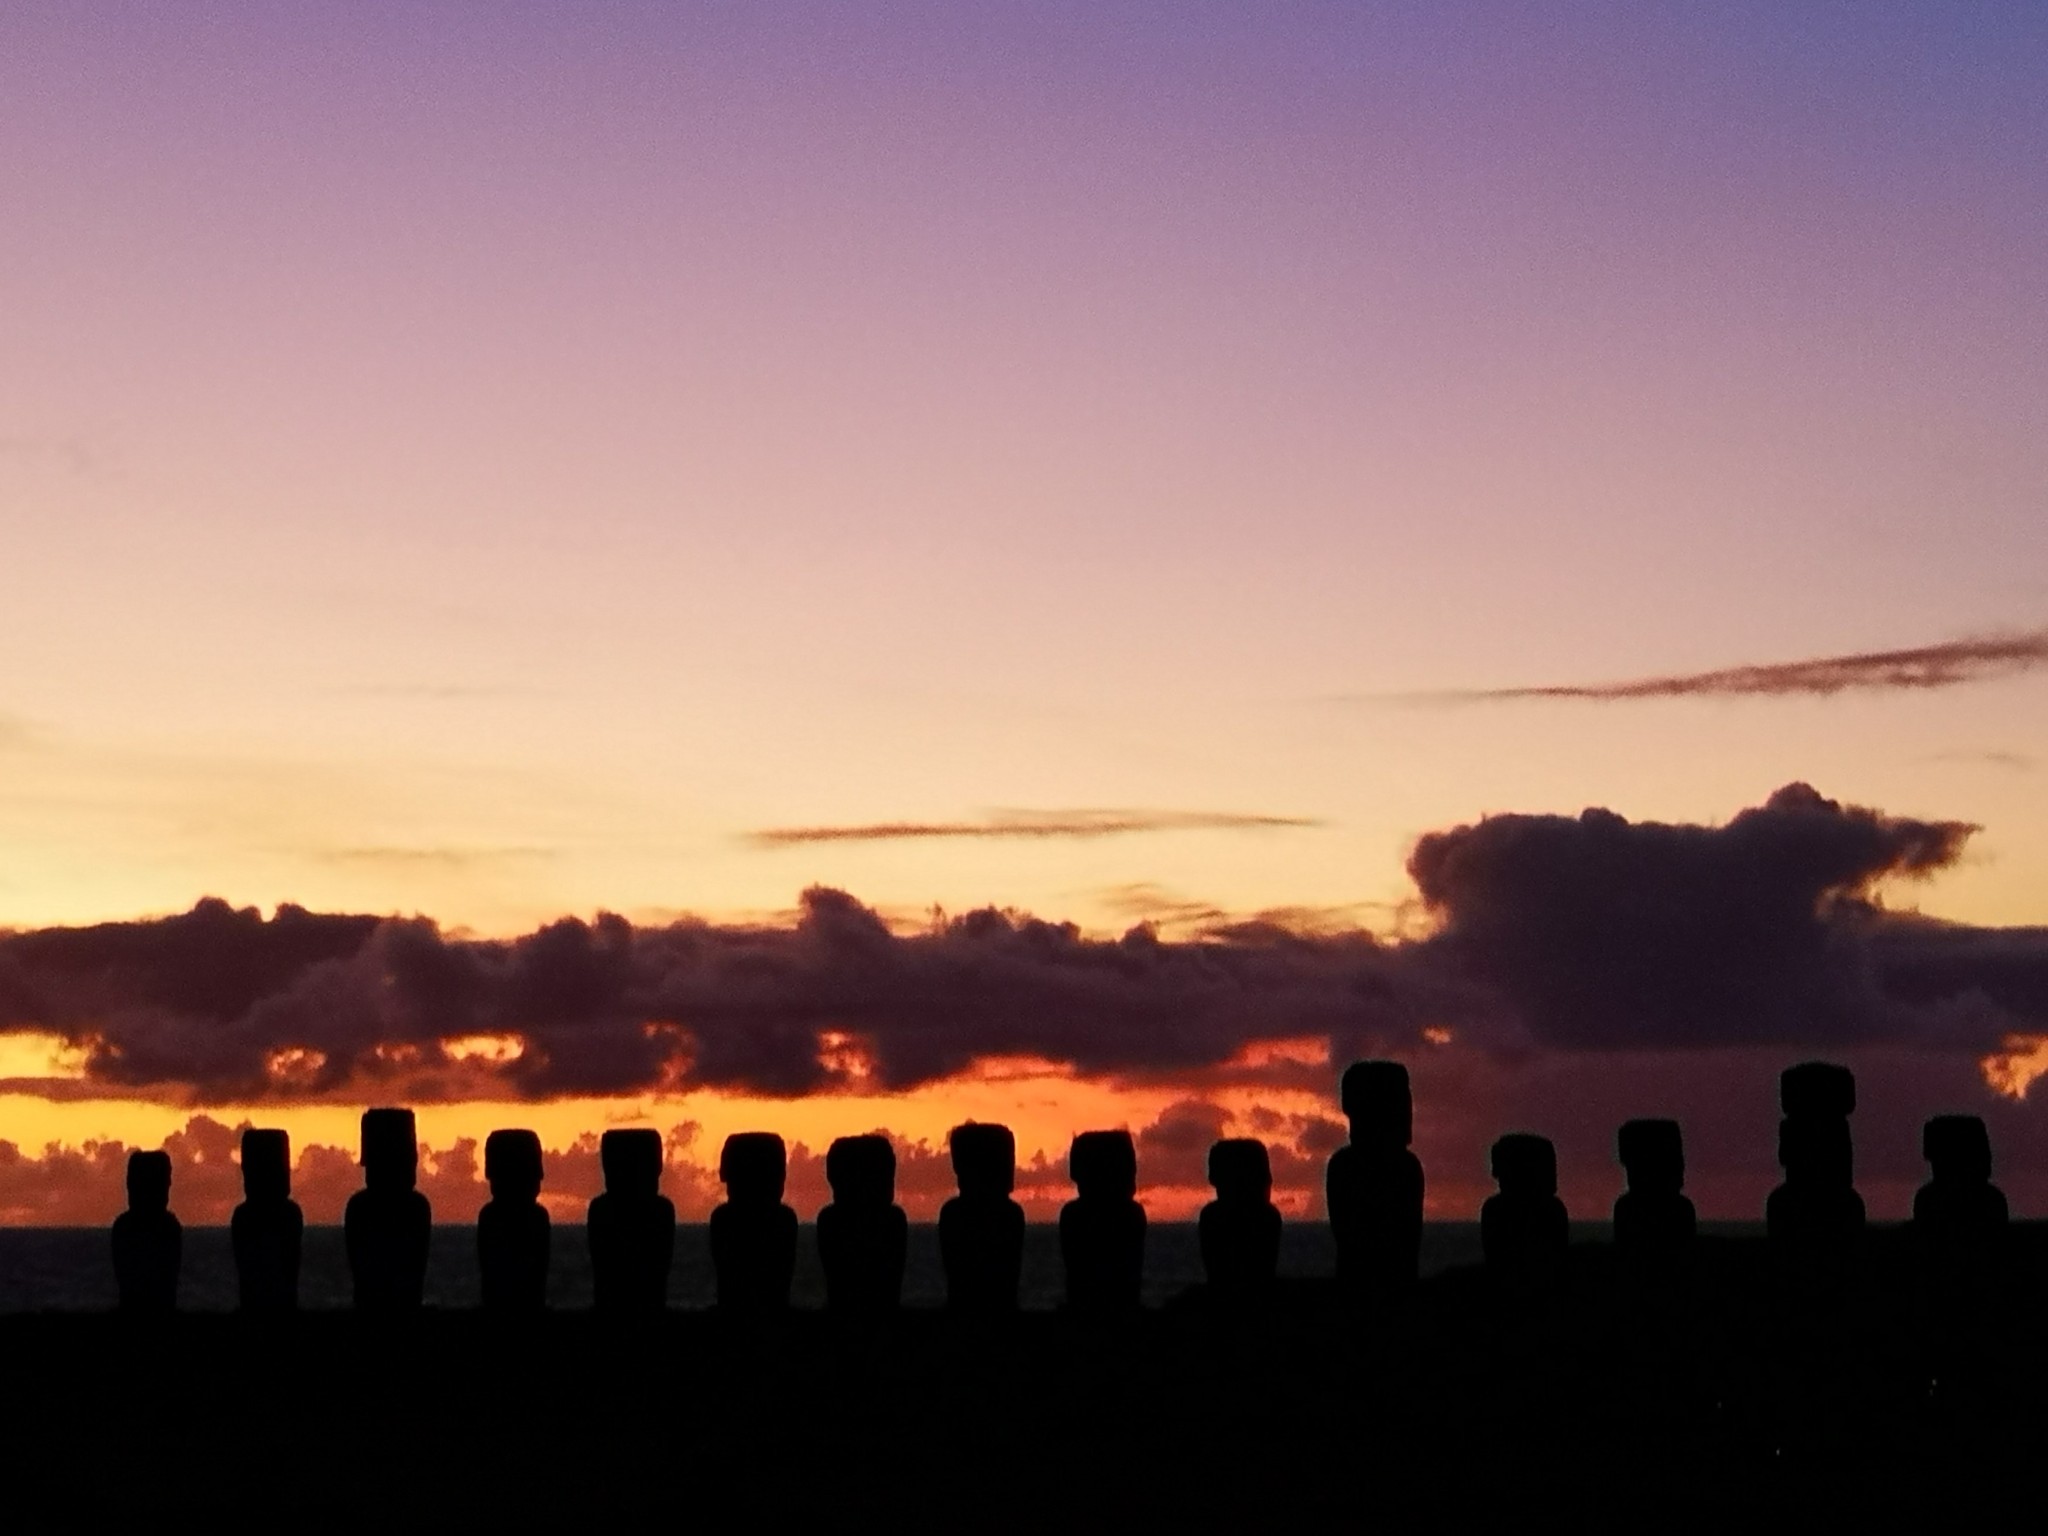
1748	1396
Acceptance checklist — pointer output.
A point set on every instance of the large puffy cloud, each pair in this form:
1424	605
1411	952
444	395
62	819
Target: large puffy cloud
1580	934
1606	933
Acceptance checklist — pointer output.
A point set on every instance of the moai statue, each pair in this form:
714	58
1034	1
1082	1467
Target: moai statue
981	1229
1240	1228
1959	1211
1102	1230
1523	1230
632	1226
753	1235
512	1233
863	1234
1817	1207
148	1242
1653	1220
1374	1185
388	1222
268	1228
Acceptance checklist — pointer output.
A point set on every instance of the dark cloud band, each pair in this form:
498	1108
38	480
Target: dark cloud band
1555	934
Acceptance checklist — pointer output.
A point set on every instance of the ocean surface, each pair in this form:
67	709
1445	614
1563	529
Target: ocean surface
69	1269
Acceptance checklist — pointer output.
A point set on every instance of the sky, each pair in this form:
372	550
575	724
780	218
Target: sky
491	465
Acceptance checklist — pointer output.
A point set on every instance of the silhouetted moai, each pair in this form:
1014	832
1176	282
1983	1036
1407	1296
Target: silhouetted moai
632	1226
148	1242
512	1231
753	1235
1817	1206
981	1229
1653	1221
1240	1228
1959	1214
863	1234
1374	1185
388	1222
1524	1230
1102	1230
268	1228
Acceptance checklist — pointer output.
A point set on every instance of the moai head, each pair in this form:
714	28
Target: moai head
266	1165
984	1160
754	1166
1817	1088
1957	1148
1240	1171
1378	1103
1816	1149
861	1170
1104	1165
1525	1165
1653	1152
632	1163
512	1166
149	1181
391	1149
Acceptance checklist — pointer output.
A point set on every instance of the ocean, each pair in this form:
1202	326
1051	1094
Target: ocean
68	1269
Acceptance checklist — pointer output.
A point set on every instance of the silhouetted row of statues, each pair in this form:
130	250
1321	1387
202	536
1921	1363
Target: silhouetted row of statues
1374	1196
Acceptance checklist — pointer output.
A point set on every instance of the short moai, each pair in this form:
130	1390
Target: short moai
388	1222
148	1242
863	1234
1374	1185
512	1230
1102	1230
1240	1228
1524	1230
753	1234
268	1228
1817	1206
1653	1220
981	1229
1959	1210
631	1226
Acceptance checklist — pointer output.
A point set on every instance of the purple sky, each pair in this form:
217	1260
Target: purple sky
500	461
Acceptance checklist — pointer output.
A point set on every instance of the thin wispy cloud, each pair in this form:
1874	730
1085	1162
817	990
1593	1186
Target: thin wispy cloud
1031	824
2015	762
1920	668
446	858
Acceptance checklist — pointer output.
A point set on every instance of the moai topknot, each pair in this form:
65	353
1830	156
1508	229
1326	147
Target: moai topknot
1817	1206
1958	1211
512	1230
1240	1228
148	1242
268	1228
863	1234
753	1235
1524	1229
388	1222
631	1226
1102	1230
1653	1220
981	1229
1374	1185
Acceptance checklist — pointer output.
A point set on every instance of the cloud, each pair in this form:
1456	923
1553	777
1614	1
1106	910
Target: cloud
1607	933
1549	934
447	858
1032	824
1946	665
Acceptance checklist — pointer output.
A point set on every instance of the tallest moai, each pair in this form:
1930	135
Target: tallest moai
1817	1206
1374	1185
